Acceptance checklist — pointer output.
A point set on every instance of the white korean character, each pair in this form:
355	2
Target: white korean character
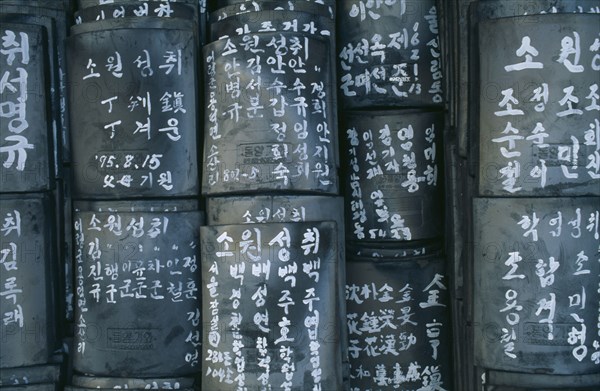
556	221
279	128
298	87
593	165
9	109
529	225
569	99
262	321
377	49
255	84
577	338
112	127
11	291
14	316
96	271
284	332
176	291
224	240
578	299
507	102
514	258
140	288
91	67
12	222
277	152
288	273
136	227
513	318
281	172
194	317
511	138
212	286
171	60
347	83
114	65
251	247
155	228
595	47
142	10
192	358
398	229
11	47
540	172
569	154
259	297
412	182
568	47
538	135
144	64
190	289
508	337
119	12
311	241
576	224
9	264
540	94
109	101
266	26
283	238
262	268
111	271
593	97
546	276
172	129
595	357
101	16
312	269
251	43
194	338
299	47
255	66
229	48
233	111
311	28
113	224
143	127
527	50
236	271
593	221
580	261
164	10
264	215
285	301
255	106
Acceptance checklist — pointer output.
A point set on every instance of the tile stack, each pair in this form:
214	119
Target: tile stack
273	250
397	291
32	134
535	227
133	77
